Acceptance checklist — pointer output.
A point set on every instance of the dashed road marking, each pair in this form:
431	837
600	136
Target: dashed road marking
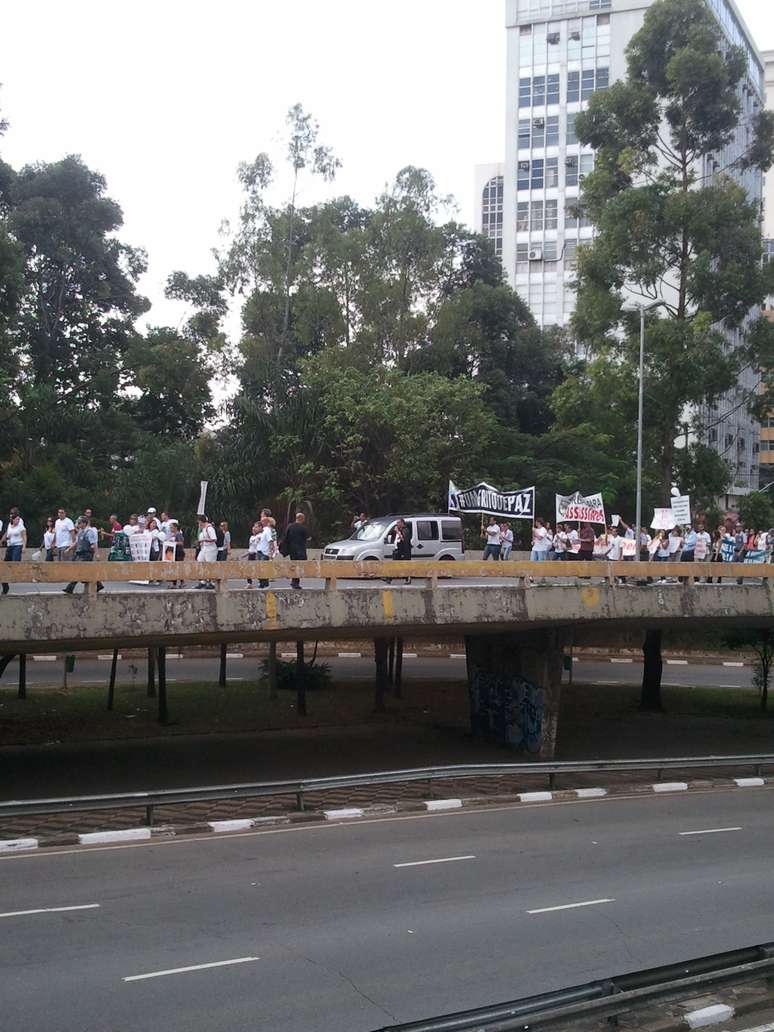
570	906
191	967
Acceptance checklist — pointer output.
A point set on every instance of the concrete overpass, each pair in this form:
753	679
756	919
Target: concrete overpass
515	630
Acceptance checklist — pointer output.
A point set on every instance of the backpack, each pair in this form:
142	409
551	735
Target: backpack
219	537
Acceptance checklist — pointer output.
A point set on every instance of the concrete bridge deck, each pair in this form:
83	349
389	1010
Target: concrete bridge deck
440	601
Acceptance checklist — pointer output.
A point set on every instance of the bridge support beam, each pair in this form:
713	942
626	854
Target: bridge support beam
514	683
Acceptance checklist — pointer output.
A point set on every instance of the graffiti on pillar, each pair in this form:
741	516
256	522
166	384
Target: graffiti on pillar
508	709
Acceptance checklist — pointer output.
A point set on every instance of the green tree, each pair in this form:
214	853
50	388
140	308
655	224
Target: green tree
666	231
756	510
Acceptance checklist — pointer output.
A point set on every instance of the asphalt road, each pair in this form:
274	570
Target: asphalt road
49	672
352	927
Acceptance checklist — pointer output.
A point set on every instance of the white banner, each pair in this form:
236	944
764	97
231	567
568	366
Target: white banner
483	498
202	497
663	519
583	508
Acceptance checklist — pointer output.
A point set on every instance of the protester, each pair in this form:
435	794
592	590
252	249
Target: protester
85	549
359	520
133	526
49	540
223	538
208	546
491	535
296	538
541	542
587	539
64	531
14	539
506	540
675	544
660	548
401	538
689	546
560	542
267	545
645	540
253	545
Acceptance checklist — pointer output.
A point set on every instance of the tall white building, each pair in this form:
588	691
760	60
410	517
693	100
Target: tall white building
559	52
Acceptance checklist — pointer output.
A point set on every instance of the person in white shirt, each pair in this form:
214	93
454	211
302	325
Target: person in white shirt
506	540
573	544
560	542
675	545
14	538
541	542
491	535
208	547
132	527
267	545
614	545
252	546
49	540
64	534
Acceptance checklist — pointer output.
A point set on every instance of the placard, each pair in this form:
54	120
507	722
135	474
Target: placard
681	510
583	508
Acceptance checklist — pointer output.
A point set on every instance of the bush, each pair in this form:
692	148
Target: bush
318	676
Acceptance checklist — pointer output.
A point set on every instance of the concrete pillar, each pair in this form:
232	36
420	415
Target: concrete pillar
514	682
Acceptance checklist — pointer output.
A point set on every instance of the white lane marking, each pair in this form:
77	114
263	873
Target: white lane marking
343	814
536	797
709	831
346	655
238	824
287	655
730	686
590	793
109	657
45	659
608	682
192	967
613	660
671	786
457	655
233	678
570	906
441	860
726	663
235	655
749	782
50	910
410	655
434	805
677	662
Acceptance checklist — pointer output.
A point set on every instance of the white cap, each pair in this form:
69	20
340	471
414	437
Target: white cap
172	520
151	510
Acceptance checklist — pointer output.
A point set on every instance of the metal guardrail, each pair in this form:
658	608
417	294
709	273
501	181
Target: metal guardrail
606	997
299	788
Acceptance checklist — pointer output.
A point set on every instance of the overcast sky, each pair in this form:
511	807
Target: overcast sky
166	97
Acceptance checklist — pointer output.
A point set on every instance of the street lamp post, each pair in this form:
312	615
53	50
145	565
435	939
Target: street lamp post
642	309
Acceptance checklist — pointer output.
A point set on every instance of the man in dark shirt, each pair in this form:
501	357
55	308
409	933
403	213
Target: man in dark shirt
587	538
296	537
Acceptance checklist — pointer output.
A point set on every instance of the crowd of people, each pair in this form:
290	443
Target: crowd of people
161	537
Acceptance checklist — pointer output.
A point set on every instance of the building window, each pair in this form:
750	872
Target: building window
571	171
574	217
524	133
537	174
571	134
574	39
538	131
522	215
570	254
522	257
538	90
586	166
552	172
552	89
581	85
525	92
536	215
522	176
492	212
549	250
552	131
552	214
525	45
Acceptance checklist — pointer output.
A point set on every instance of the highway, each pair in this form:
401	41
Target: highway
618	670
352	927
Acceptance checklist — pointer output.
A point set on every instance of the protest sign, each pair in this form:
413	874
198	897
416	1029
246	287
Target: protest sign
681	510
629	548
483	498
202	497
663	519
584	508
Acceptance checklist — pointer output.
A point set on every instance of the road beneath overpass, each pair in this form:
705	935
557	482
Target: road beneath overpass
352	927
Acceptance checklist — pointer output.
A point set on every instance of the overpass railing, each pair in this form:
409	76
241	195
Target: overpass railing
299	788
331	571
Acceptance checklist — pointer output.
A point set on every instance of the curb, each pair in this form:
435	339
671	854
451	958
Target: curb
354	813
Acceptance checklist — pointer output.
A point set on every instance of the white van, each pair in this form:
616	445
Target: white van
432	537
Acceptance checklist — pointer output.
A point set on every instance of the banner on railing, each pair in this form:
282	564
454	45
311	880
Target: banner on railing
483	498
581	508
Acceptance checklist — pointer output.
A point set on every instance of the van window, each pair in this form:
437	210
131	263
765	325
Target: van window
451	530
427	530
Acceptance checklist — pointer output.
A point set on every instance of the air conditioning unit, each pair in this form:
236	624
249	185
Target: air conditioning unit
575	36
538	122
571	162
581	177
536	254
553	37
524	166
